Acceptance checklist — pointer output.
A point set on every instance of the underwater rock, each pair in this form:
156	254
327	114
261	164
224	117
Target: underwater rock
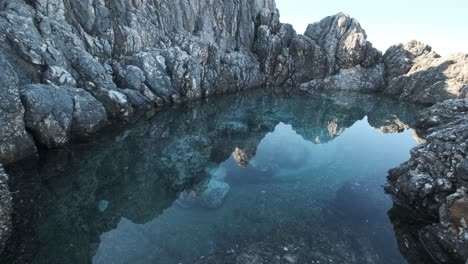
212	196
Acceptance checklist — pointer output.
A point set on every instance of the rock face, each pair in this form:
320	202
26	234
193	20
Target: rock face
131	56
15	142
416	73
434	182
135	56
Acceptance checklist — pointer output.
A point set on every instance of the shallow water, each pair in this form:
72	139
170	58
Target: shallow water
261	178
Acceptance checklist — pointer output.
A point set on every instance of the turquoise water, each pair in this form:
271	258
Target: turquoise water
262	178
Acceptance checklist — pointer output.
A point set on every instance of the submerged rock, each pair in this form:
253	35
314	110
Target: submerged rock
212	196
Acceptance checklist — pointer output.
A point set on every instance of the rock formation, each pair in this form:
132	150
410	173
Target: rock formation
434	181
72	67
131	57
416	73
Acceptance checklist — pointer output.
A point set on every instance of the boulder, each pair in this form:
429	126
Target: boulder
55	114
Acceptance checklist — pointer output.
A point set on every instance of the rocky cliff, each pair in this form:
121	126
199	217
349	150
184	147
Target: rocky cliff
72	67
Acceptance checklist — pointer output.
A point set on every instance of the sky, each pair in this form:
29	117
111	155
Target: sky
442	24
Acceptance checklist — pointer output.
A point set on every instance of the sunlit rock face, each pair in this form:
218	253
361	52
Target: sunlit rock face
416	73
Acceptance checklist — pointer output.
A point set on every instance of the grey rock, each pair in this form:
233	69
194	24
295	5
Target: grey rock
400	59
134	78
344	42
58	76
357	79
462	170
6	208
138	101
49	113
417	74
55	114
441	115
89	115
433	182
15	142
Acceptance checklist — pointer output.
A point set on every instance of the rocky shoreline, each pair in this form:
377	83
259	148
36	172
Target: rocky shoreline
72	68
434	181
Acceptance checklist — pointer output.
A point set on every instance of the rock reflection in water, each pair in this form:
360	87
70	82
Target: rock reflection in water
284	195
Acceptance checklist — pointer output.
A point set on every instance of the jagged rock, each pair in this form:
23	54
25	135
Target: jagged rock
416	73
59	76
15	142
133	78
400	59
430	181
5	209
54	113
442	114
138	101
344	42
352	63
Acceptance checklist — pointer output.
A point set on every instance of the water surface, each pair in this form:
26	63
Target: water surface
261	178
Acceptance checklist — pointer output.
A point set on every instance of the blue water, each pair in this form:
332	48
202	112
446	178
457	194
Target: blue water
264	179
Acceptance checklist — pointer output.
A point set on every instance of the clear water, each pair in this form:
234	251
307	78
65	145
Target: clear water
261	178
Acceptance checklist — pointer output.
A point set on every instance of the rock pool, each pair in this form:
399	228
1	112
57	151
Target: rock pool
265	177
